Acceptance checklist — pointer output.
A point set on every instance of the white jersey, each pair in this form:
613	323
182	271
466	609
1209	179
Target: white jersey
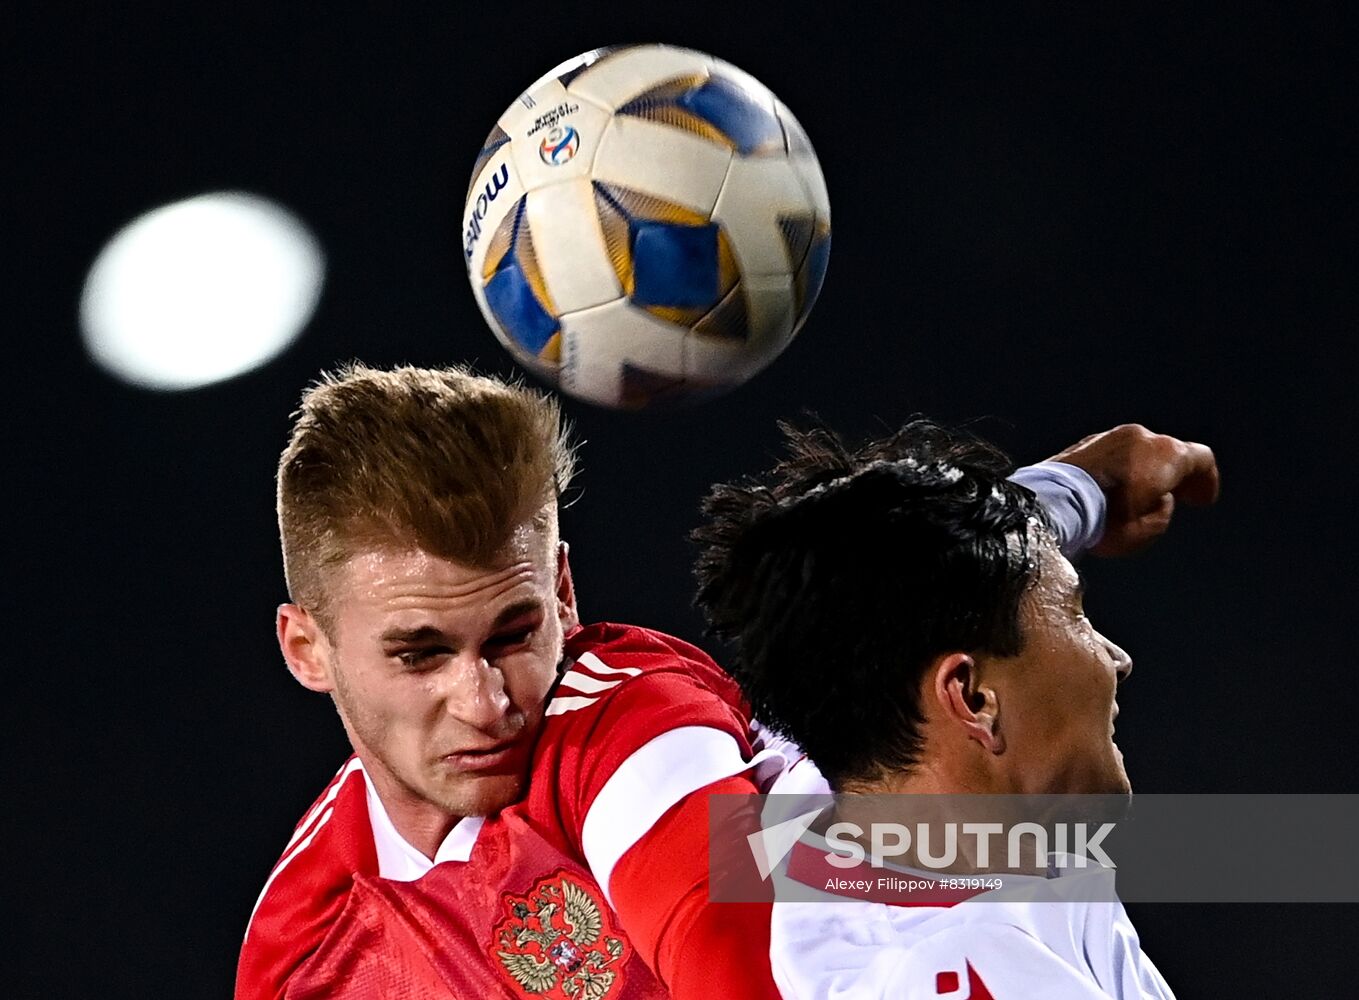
1035	937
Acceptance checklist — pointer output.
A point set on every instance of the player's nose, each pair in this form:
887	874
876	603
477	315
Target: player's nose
474	693
1122	662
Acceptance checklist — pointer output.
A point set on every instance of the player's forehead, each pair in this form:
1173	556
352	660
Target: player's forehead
398	582
1057	581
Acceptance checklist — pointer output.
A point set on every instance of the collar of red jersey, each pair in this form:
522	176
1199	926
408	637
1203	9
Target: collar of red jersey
397	859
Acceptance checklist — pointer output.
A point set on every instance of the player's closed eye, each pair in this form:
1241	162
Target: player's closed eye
422	659
509	641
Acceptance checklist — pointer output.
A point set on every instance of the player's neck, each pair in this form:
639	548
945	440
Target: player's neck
942	780
930	777
421	823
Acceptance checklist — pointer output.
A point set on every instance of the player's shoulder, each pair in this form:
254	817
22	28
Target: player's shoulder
624	687
335	830
307	888
615	654
636	646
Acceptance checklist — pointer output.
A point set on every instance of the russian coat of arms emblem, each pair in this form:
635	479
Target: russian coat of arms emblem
553	942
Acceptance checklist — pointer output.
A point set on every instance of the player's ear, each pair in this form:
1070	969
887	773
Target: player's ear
566	590
966	701
305	648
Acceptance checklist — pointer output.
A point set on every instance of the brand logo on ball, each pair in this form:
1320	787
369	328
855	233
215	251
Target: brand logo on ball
481	205
560	146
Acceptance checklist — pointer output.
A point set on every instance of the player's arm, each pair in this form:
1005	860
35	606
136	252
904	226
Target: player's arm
1073	501
660	889
661	746
1115	492
1142	476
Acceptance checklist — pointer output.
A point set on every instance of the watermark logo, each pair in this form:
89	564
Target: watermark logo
943	849
934	846
771	845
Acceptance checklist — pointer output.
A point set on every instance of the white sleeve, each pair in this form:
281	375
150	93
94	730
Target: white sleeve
1122	967
1073	502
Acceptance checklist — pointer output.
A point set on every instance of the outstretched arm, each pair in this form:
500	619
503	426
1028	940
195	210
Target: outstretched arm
1143	475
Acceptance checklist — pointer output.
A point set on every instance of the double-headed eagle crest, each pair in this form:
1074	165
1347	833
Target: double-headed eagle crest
553	943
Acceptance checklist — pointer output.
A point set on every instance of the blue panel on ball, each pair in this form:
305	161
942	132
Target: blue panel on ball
673	265
518	310
744	121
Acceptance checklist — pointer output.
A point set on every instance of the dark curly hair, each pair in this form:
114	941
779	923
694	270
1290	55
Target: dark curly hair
839	574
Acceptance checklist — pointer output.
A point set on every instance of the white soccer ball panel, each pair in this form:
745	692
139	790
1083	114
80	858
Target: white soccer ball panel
620	76
519	117
803	158
769	307
709	360
568	244
495	191
662	161
597	343
769	310
756	193
556	139
561	69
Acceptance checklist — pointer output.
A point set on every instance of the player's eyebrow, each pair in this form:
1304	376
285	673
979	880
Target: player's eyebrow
519	609
1078	588
428	633
420	634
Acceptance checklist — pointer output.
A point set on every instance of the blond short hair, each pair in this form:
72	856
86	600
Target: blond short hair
437	459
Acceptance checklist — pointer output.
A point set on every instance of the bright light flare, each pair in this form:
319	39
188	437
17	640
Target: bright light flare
200	290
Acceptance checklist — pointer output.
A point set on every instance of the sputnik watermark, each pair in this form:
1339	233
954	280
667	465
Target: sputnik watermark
1025	847
895	840
1159	848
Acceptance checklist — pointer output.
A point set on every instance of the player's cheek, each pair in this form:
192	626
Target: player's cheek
529	676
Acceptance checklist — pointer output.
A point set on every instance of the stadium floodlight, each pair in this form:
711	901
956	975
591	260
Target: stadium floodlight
200	290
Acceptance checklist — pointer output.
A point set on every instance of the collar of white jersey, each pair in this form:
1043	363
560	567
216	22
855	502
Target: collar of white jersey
397	859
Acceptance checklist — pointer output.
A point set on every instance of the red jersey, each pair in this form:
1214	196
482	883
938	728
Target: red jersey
533	901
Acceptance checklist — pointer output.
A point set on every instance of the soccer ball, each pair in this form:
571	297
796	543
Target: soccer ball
646	225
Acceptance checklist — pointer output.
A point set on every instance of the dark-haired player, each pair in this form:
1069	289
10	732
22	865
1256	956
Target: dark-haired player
903	612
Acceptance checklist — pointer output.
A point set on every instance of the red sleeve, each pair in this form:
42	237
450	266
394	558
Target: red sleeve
639	711
280	939
649	729
308	889
626	687
699	949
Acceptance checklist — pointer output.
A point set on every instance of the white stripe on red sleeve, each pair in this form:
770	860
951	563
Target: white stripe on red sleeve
644	787
596	665
287	859
561	705
332	790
